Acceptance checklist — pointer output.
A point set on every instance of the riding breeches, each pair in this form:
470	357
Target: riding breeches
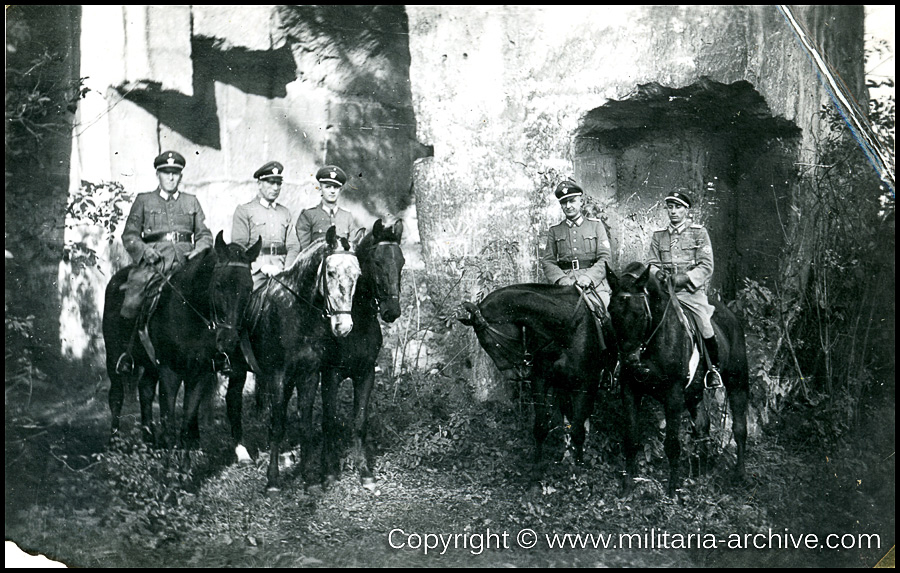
698	305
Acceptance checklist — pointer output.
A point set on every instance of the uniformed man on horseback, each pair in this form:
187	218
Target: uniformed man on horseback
683	251
164	228
265	218
577	250
314	222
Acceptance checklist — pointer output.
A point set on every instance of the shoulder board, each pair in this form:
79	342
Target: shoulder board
696	226
594	219
661	230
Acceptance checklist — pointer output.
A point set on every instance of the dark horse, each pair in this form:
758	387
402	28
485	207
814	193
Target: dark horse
353	356
292	317
196	323
648	330
548	334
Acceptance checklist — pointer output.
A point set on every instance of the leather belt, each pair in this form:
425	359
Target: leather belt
173	236
575	265
274	249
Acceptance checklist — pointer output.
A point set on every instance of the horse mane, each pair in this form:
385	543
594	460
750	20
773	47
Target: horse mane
556	303
195	271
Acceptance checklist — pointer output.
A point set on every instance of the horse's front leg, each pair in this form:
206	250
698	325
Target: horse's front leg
234	404
630	403
363	385
738	399
582	408
331	426
169	383
278	395
195	388
116	398
307	385
674	408
147	383
541	423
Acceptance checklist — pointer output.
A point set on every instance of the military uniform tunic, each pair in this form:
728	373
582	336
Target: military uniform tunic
173	225
687	249
314	222
272	222
576	249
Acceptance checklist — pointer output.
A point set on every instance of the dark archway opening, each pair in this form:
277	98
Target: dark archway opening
722	143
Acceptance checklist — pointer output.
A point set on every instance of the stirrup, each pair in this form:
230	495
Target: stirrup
125	364
716	379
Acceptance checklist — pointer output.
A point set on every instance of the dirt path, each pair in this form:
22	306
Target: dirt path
453	488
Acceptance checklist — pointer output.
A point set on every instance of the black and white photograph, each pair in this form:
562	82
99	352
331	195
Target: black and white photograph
450	286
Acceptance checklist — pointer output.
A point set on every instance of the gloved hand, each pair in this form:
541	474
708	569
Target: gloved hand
566	281
151	255
661	276
583	281
269	270
681	280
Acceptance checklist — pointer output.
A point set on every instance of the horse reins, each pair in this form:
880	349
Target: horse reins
527	357
321	283
215	323
376	297
645	297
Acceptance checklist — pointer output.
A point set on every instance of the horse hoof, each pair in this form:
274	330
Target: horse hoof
368	482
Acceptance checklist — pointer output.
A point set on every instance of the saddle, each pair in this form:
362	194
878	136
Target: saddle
689	321
595	305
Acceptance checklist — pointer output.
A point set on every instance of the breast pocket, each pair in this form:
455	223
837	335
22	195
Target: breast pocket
156	221
665	252
590	244
562	248
183	222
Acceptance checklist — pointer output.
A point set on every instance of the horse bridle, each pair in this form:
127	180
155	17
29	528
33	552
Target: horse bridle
215	323
527	358
645	297
322	284
376	297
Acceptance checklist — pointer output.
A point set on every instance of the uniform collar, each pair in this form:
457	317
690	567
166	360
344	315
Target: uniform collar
266	204
166	196
576	223
327	210
680	228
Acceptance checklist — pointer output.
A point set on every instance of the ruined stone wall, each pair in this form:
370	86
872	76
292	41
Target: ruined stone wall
503	92
231	88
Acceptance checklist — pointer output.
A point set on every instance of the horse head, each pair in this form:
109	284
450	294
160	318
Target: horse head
338	275
381	260
229	290
500	340
630	309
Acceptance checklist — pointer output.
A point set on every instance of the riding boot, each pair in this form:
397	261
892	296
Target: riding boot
712	351
135	287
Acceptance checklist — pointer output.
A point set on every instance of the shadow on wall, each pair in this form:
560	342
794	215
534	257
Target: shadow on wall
264	73
720	142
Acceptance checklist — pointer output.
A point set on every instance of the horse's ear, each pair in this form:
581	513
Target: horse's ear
331	236
468	314
641	281
253	251
611	277
356	238
220	240
398	229
377	229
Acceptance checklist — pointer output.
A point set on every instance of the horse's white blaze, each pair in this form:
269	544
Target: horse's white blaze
342	273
